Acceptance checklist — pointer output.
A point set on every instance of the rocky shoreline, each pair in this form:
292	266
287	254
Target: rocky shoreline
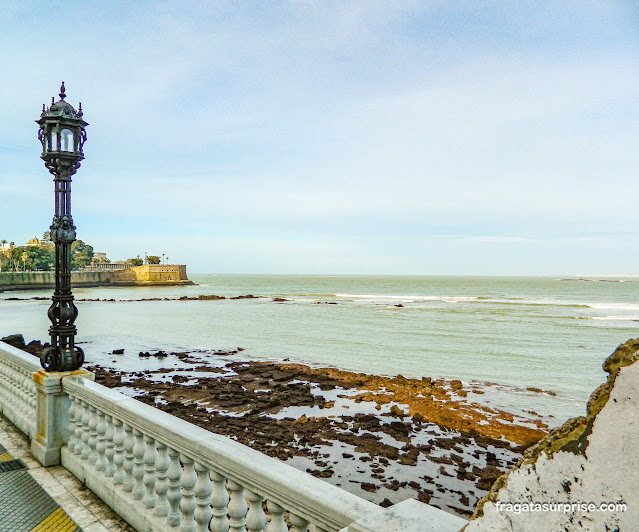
383	438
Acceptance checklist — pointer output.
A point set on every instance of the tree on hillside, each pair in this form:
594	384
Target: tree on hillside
135	262
41	258
153	259
81	254
11	258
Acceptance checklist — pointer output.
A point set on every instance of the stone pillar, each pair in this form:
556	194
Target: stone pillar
52	415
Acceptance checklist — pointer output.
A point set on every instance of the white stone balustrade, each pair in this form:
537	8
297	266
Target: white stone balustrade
161	473
17	388
172	475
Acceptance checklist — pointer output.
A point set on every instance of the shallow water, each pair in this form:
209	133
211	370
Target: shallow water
517	332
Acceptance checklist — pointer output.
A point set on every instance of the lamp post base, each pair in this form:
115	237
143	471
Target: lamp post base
56	359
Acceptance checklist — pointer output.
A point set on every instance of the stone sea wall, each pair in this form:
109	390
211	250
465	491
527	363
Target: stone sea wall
147	275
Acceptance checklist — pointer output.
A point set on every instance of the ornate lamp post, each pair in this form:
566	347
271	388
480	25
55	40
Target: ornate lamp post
62	136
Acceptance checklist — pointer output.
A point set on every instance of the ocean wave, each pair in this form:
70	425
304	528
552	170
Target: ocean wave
614	306
615	318
535	302
414	298
463	299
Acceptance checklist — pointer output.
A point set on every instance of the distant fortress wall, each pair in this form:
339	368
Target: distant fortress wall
157	272
147	275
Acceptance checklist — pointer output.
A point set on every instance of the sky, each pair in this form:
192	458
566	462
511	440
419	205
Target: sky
334	137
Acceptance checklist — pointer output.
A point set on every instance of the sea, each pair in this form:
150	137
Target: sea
531	344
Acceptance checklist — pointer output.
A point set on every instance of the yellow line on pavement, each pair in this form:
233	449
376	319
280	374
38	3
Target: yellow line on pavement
58	520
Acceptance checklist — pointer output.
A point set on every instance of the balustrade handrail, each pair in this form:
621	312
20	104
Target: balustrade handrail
18	398
328	506
27	362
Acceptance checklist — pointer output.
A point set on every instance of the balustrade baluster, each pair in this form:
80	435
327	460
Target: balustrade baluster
299	523
203	489
129	443
237	506
187	504
138	465
4	388
100	447
32	394
93	436
255	518
79	426
162	484
174	494
118	452
150	456
277	522
72	438
86	431
109	452
24	393
220	502
15	398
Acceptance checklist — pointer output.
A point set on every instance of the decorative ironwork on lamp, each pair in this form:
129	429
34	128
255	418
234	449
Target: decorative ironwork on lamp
62	135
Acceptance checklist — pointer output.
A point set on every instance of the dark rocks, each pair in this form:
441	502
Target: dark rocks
34	347
15	340
238	403
321	473
539	390
117	352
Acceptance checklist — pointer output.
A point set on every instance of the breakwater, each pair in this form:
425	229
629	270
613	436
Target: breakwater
147	275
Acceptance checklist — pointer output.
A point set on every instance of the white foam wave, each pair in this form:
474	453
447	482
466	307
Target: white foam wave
405	298
535	301
614	306
615	318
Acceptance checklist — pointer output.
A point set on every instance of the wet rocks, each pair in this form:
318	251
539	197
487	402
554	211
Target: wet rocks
380	457
15	340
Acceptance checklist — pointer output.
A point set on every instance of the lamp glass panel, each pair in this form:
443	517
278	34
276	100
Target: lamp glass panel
53	146
66	140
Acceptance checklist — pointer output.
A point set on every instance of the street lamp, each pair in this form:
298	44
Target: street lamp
62	137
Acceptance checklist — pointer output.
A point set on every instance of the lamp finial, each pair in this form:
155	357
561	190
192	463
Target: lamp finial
62	93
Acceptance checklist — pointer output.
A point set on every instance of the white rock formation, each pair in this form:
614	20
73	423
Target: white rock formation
578	466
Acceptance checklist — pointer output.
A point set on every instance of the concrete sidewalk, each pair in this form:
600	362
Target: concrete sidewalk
38	499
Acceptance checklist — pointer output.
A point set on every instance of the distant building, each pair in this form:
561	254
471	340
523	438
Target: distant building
33	243
101	266
4	247
99	257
